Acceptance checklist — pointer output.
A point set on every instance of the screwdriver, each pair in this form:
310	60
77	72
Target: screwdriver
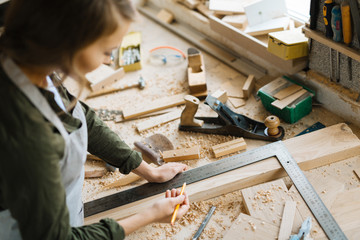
337	34
347	33
328	5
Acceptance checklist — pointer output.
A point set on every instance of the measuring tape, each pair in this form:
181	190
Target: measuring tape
276	149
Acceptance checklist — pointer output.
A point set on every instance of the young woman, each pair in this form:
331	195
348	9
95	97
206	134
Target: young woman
45	132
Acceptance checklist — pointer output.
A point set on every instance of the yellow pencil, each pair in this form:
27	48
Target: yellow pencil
177	206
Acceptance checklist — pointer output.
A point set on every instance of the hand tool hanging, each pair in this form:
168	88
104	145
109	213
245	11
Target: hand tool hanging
347	31
336	27
328	5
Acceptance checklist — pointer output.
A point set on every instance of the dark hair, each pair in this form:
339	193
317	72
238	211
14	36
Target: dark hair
49	33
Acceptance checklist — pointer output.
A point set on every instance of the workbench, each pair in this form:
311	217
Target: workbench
161	81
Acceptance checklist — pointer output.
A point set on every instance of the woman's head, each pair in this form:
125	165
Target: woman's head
53	33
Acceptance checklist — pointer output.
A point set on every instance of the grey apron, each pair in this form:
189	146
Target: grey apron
72	164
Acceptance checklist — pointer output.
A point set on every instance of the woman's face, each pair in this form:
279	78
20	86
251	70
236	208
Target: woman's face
91	57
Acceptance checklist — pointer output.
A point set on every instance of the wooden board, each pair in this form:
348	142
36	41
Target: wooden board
281	104
246	227
237	102
233	88
248	87
130	178
238	21
226	6
157	121
103	76
181	154
229	147
157	105
287	220
310	150
220	95
288	91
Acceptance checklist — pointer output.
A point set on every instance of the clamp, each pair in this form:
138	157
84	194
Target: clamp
228	122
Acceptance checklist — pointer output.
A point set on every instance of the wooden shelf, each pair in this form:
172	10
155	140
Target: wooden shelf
340	47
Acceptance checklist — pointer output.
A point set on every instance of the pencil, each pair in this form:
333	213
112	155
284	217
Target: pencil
177	206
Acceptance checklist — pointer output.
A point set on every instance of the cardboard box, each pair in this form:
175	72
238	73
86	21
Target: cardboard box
130	52
288	44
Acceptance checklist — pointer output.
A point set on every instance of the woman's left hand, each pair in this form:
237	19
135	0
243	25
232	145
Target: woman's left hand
168	171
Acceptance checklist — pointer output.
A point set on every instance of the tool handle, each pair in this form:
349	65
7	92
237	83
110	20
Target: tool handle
328	5
346	22
336	23
204	223
111	90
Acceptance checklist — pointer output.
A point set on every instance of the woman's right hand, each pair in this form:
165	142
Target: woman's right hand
163	209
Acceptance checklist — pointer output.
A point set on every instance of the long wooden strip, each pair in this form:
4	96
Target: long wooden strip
288	91
229	147
287	220
181	154
158	104
312	150
281	104
156	121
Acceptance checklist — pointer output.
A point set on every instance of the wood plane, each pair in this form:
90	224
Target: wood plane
196	71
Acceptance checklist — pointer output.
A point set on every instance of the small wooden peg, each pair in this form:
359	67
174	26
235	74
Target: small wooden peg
272	123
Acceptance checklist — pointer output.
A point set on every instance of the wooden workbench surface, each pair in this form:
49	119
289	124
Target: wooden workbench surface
161	81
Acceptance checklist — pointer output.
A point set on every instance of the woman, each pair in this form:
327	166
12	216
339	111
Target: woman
45	133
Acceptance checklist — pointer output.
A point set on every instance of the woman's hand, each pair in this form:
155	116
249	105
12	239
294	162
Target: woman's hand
160	174
164	208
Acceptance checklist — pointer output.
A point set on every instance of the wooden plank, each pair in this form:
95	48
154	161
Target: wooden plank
229	147
249	85
181	154
103	76
312	150
157	105
346	211
130	178
238	21
288	91
237	102
246	227
287	220
234	88
157	121
281	104
226	6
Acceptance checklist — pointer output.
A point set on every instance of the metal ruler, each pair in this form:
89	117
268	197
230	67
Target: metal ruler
276	149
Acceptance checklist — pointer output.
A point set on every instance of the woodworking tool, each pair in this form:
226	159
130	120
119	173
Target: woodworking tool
328	5
346	22
314	10
336	27
354	9
304	231
166	55
227	123
140	84
275	149
204	223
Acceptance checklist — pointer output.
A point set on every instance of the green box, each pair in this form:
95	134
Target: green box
289	114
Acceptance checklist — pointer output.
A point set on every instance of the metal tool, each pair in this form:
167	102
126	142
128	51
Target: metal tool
336	26
304	232
328	5
140	84
276	149
204	223
227	122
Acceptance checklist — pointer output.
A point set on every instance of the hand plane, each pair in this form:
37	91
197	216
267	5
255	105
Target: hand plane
228	122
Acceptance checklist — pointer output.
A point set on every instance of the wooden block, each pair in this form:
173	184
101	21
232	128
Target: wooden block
204	10
246	227
226	6
233	88
130	178
288	91
357	172
281	104
275	25
103	76
248	87
196	71
220	95
191	4
237	102
229	147
312	150
238	21
157	105
165	16
181	154
157	121
287	220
